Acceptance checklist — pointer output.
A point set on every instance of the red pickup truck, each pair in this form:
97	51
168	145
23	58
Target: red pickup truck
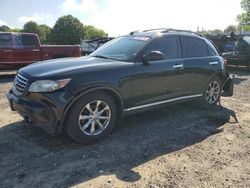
20	49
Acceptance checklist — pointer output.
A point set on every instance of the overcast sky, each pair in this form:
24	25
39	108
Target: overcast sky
118	17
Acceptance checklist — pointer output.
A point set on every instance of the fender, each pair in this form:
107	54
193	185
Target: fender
92	88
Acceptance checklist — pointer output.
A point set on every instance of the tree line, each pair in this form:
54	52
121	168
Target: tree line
243	21
67	30
244	18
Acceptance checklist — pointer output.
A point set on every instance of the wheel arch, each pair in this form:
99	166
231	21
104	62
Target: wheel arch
221	75
108	90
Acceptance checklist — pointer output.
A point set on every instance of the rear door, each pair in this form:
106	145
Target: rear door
5	51
200	63
27	49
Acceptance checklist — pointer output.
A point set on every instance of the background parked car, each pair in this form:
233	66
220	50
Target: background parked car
240	54
20	49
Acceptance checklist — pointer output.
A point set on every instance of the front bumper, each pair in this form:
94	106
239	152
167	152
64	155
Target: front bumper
35	112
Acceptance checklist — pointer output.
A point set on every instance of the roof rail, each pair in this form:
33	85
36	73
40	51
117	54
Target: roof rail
185	31
133	32
155	29
165	30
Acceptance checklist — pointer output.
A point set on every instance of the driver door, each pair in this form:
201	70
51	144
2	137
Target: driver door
162	79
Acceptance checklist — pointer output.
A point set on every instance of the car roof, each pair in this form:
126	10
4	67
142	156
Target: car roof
154	33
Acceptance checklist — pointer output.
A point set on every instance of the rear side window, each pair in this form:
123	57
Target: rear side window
193	47
28	41
168	46
5	40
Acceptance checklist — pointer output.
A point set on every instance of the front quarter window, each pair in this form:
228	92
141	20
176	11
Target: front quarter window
122	48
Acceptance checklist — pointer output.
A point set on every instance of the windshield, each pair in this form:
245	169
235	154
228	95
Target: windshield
121	48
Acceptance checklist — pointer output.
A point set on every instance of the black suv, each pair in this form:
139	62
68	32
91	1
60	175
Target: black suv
88	96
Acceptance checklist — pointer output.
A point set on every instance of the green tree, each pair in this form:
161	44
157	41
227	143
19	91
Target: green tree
31	27
45	31
90	32
244	18
67	30
230	28
41	30
15	30
4	28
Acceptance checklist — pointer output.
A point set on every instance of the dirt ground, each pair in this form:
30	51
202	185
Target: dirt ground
177	146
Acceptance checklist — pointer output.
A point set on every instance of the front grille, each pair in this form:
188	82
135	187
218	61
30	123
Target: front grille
20	84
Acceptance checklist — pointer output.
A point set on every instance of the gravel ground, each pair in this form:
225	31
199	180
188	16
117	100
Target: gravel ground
182	145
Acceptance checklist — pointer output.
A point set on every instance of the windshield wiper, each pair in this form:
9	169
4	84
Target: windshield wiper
101	56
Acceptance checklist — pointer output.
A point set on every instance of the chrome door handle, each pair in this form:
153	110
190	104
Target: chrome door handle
7	50
213	63
178	66
35	50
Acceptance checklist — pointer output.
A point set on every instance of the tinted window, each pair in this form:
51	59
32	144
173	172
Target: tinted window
24	41
28	41
168	46
5	40
192	47
17	40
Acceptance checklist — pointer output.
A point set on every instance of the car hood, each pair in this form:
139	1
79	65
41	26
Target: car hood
64	66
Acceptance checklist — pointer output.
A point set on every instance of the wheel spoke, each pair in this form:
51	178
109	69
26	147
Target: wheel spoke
88	107
86	125
213	98
212	84
92	129
103	117
99	124
84	117
103	110
97	106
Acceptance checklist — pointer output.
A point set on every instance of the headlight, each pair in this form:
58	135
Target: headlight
48	85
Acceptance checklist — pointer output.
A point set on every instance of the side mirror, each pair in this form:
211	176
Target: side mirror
153	56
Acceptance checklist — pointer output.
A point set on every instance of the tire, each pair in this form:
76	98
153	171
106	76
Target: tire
212	92
91	118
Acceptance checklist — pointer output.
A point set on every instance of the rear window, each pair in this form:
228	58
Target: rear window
5	40
193	47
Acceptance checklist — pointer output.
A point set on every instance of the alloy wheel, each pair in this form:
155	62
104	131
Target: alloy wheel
94	117
212	92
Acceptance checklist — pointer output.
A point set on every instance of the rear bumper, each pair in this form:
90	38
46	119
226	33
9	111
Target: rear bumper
228	86
34	113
